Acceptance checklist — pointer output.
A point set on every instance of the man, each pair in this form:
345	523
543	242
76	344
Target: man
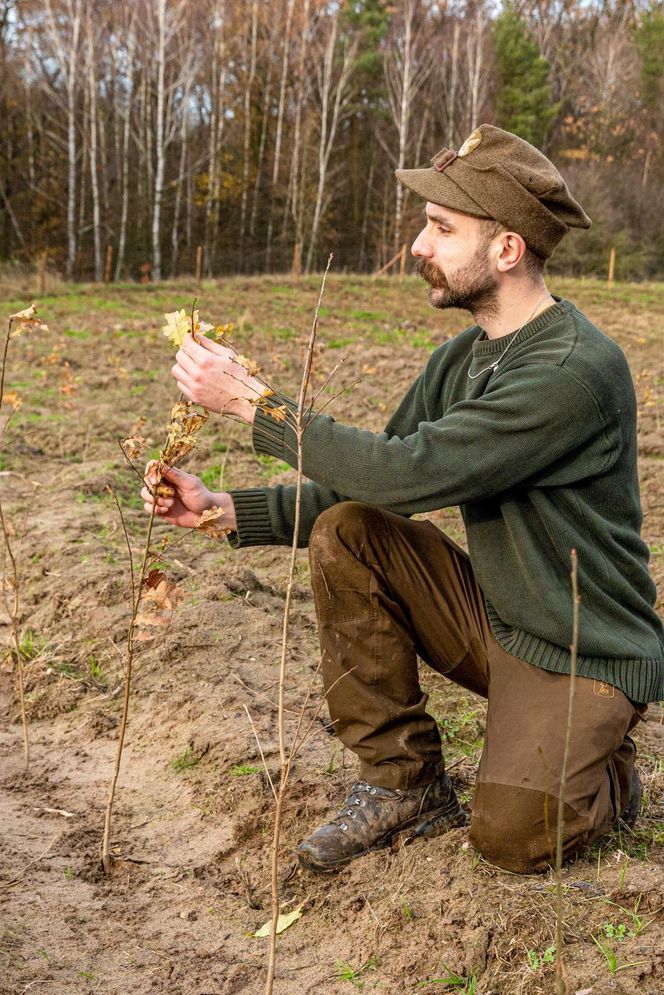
527	421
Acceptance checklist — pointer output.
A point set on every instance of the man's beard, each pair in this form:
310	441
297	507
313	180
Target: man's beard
473	288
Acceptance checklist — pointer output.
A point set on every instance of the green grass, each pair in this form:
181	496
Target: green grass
185	761
243	770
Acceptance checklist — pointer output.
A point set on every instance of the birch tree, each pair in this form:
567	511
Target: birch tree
408	65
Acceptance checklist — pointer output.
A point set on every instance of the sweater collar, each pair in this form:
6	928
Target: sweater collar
482	346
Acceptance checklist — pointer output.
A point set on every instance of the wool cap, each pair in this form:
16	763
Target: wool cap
498	175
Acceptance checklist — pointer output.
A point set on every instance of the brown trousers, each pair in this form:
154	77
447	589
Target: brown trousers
388	590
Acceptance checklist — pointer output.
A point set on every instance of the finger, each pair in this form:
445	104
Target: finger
146	494
198	349
185	362
180	373
185	390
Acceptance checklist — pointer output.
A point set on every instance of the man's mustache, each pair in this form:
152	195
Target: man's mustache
431	274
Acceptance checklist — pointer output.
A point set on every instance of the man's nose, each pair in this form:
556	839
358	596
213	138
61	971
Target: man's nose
421	246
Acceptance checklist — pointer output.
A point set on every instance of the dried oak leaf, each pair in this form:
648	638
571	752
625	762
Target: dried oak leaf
186	421
279	414
11	397
27	320
165	595
133	446
208	524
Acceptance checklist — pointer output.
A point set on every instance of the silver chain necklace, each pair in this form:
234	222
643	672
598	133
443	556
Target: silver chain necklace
474	376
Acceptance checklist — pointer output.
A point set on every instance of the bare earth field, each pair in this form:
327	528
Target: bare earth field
194	811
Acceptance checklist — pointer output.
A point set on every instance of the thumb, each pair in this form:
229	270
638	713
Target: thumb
177	476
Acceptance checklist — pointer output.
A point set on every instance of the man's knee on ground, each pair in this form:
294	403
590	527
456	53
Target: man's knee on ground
515	828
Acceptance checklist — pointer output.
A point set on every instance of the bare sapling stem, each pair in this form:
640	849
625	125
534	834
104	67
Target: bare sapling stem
12	579
12	607
560	981
286	759
136	586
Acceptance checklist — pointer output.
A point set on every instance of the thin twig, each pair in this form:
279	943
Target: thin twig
129	552
260	750
285	760
106	841
35	860
560	982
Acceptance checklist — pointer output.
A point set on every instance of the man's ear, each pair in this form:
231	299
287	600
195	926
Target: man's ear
511	250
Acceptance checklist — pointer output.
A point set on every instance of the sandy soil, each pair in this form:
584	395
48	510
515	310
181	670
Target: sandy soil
193	815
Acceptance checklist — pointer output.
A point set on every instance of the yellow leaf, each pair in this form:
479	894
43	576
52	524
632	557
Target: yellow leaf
283	922
279	414
178	325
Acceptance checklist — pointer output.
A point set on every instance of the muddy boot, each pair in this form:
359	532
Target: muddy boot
372	816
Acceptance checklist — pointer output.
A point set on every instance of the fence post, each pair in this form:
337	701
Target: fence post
297	259
199	264
612	265
108	264
42	273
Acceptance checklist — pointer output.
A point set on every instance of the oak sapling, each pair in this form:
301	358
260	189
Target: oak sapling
20	321
153	597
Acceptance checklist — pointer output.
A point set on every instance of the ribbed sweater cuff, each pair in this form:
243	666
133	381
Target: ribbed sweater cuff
253	519
276	436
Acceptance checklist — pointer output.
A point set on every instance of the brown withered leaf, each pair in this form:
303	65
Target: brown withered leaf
154	578
279	414
145	636
11	397
153	619
250	365
27	320
186	421
166	595
208	524
133	446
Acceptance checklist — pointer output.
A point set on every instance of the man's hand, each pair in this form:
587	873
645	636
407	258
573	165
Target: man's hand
189	500
206	374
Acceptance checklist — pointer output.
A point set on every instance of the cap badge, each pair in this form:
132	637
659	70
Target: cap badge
470	143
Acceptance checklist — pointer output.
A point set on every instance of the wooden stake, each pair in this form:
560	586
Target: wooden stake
402	263
199	264
390	262
297	259
107	264
612	265
42	274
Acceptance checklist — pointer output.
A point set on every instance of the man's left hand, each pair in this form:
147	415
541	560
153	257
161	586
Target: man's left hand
206	374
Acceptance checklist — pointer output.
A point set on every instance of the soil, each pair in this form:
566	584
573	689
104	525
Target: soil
194	810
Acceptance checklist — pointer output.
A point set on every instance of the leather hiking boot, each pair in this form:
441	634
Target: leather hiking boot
631	811
372	816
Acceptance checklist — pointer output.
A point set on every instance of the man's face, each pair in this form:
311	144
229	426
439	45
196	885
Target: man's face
453	257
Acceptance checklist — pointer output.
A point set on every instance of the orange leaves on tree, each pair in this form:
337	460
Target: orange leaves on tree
249	365
133	446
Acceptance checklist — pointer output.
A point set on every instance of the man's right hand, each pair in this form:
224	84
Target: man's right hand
189	500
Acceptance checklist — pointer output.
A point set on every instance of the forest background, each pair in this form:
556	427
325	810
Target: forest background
134	131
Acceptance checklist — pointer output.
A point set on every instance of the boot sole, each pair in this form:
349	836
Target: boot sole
459	819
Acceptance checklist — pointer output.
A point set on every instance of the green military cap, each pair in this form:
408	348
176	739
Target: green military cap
498	175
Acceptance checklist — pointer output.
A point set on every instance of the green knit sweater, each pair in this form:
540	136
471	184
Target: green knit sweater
540	455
